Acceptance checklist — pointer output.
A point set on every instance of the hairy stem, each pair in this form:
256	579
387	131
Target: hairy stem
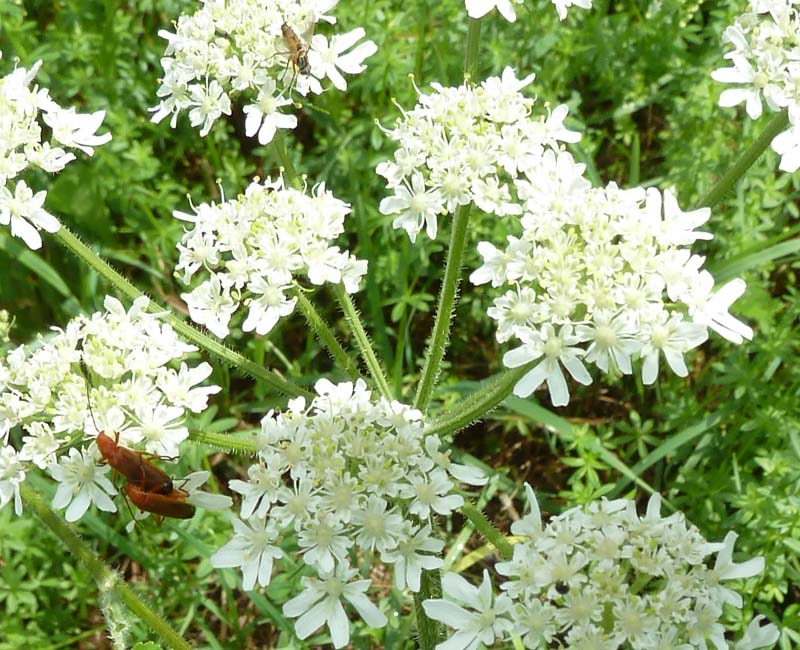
373	365
444	311
107	581
485	528
326	335
475	406
430	631
748	157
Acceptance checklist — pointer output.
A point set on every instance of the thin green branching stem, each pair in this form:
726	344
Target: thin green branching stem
471	57
373	365
188	332
748	157
285	158
107	581
478	404
326	335
485	528
444	311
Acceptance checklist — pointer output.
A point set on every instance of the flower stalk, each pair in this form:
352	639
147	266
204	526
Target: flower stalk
222	352
373	365
745	161
106	579
444	311
478	404
485	528
326	335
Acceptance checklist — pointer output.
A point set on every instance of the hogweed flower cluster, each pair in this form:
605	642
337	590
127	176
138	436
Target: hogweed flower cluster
134	388
254	246
602	276
21	146
479	8
341	478
603	577
467	145
232	47
766	68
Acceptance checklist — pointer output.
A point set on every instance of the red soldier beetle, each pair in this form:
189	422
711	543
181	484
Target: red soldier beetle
134	466
172	504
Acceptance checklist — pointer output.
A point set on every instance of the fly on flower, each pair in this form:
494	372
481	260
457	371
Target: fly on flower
298	49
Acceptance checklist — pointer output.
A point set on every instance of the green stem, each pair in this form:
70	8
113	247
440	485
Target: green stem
326	335
473	49
222	352
373	365
106	579
430	631
226	442
478	404
444	310
287	164
485	528
748	157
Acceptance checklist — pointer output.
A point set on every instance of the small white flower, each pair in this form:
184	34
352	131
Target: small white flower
268	308
326	60
23	210
263	116
417	207
12	474
320	604
259	491
673	336
160	429
557	349
209	103
486	620
563	5
211	304
77	130
81	482
787	146
191	483
758	636
180	388
711	309
414	552
252	548
479	8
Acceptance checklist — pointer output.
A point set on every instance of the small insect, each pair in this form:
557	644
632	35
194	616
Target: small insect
562	587
298	49
171	504
134	466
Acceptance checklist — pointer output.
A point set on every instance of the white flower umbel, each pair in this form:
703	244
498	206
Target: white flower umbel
254	51
22	106
479	8
603	576
135	388
250	250
466	145
346	476
601	277
765	69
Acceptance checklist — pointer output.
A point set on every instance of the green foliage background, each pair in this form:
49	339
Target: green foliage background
723	445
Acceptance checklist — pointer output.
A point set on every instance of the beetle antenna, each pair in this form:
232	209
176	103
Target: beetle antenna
85	373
